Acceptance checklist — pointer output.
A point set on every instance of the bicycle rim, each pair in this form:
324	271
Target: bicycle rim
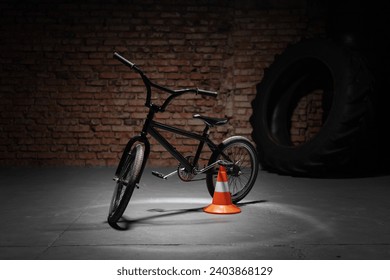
242	175
126	183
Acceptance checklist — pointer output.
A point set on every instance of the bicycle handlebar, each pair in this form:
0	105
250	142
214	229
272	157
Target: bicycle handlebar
149	84
124	60
207	92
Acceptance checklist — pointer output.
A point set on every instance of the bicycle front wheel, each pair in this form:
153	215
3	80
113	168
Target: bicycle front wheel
242	175
125	183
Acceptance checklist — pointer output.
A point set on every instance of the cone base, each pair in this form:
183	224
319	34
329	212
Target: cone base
222	209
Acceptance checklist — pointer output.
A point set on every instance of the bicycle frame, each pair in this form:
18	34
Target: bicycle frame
151	126
151	129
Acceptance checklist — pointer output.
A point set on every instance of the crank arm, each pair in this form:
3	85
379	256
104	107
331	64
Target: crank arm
218	162
162	176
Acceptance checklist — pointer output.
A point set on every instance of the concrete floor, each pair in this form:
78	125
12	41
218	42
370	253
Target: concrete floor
60	213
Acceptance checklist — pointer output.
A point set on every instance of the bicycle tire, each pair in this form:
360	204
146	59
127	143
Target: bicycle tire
342	144
128	177
240	184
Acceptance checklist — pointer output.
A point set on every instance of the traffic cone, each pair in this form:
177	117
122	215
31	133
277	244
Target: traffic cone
222	200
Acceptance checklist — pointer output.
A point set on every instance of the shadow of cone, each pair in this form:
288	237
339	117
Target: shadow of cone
222	200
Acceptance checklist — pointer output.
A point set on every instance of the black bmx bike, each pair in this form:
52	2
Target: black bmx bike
236	153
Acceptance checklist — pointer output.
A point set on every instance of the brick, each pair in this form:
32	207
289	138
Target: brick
108	75
69	102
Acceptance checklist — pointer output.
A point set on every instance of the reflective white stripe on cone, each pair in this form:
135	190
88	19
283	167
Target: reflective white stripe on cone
222	200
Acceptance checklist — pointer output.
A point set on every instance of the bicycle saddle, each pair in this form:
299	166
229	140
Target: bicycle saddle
211	121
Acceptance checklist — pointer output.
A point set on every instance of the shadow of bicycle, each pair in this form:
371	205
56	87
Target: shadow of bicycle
126	223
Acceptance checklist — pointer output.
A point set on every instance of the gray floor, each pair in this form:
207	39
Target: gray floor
59	213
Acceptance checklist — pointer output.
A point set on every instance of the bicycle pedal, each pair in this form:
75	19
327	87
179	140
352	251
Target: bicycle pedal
159	175
137	186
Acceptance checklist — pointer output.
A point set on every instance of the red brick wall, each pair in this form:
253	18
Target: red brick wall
65	101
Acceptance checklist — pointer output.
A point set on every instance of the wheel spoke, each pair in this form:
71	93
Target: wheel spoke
239	155
125	184
242	175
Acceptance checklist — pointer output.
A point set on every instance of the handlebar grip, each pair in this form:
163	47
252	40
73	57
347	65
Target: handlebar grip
123	60
207	92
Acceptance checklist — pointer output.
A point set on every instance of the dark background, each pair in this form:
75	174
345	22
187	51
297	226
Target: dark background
65	101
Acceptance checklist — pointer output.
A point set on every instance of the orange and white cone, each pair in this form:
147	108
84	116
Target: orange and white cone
222	200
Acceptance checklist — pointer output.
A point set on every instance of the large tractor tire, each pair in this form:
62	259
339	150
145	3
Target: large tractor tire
346	85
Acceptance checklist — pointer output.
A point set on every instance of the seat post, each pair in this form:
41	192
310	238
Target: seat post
206	131
205	134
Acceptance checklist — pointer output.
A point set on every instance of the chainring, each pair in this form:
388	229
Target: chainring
183	174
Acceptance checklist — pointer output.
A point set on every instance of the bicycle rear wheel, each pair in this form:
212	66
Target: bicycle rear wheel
125	183
242	175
